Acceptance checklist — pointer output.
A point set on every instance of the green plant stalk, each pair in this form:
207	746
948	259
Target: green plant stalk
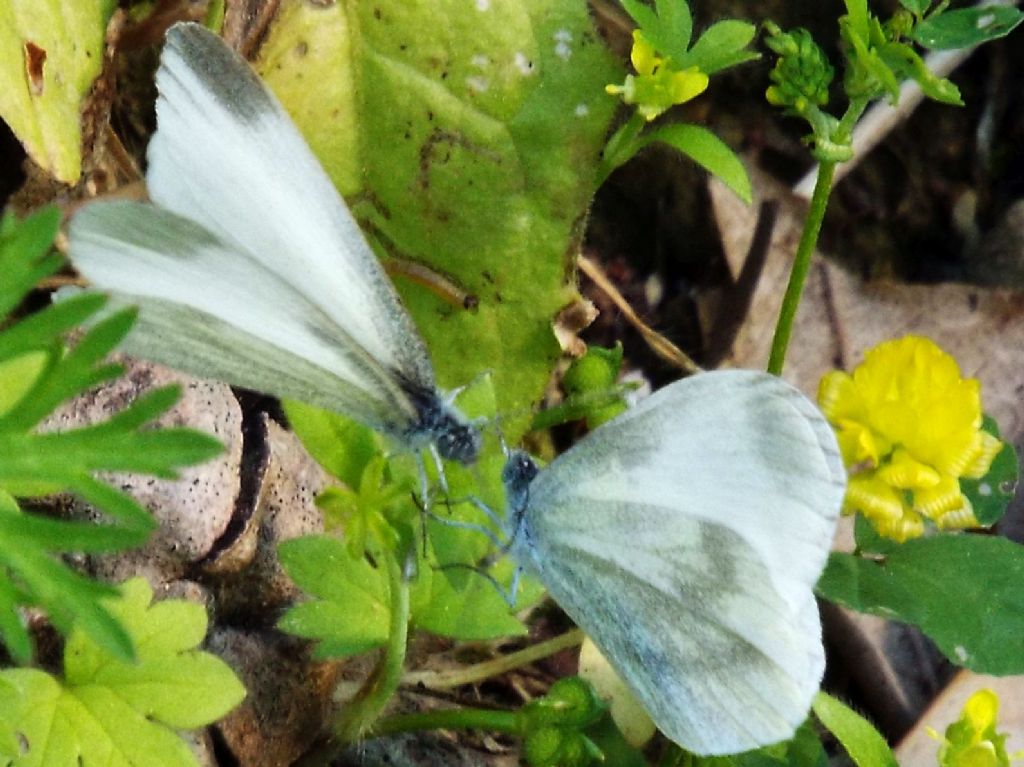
359	715
478	672
801	266
809	238
450	719
621	146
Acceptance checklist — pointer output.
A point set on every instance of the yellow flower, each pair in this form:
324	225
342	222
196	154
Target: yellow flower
909	428
657	86
972	740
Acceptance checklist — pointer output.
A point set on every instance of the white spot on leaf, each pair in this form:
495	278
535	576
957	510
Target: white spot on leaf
563	49
961	654
582	110
985	489
480	61
986	21
523	64
477	84
483	5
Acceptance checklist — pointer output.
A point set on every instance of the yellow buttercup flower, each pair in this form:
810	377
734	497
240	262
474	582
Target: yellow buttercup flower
656	85
909	428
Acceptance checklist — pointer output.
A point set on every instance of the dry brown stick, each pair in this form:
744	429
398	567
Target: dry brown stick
660	345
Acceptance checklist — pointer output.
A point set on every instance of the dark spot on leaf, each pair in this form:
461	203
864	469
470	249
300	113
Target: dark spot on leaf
35	59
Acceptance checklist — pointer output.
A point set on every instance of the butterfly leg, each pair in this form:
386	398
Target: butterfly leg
508	595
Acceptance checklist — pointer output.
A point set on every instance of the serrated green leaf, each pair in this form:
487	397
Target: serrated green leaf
990	495
722	45
351	614
708	151
982	629
965	27
50	53
865	746
472	609
117	713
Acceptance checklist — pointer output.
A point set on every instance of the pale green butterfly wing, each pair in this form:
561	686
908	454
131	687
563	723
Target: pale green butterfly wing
227	156
249	266
685	538
208	308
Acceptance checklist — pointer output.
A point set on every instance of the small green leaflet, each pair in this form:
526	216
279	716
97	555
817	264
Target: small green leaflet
864	744
107	711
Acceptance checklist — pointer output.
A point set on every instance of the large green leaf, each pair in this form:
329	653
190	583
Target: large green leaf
50	52
467	138
962	590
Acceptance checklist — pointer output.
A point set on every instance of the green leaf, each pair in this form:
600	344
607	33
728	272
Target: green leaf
351	612
722	45
981	629
170	681
339	444
708	151
465	605
470	144
26	253
916	7
50	53
859	18
864	744
990	495
676	25
111	712
645	17
965	27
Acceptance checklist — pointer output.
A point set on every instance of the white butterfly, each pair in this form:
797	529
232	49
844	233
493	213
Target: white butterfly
685	537
248	266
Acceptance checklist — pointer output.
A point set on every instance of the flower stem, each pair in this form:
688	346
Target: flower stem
621	146
449	719
360	713
801	266
440	680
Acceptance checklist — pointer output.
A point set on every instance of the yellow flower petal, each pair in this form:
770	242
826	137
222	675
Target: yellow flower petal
910	525
943	497
838	398
986	449
687	84
643	55
874	498
961	518
902	471
981	709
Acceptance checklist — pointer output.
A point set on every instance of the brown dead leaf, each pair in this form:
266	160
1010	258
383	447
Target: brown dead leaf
841	316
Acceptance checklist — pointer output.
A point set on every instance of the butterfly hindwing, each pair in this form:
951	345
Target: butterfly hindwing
685	536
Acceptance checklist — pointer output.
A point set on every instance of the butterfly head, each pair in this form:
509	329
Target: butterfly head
517	475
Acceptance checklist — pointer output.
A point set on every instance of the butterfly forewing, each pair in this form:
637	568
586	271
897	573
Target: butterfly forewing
251	179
